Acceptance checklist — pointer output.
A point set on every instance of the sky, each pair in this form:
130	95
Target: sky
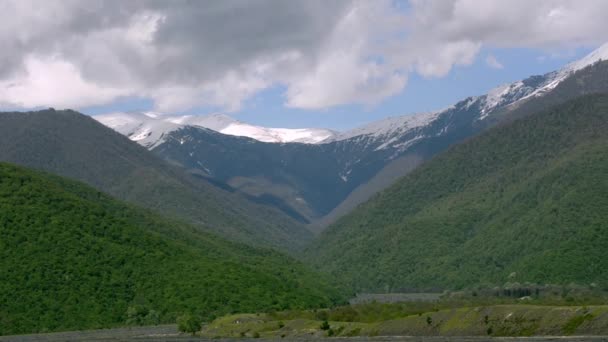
299	63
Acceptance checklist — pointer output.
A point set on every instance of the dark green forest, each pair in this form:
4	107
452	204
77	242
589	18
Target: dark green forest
72	258
523	202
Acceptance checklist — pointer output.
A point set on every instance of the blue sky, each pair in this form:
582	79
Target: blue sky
421	94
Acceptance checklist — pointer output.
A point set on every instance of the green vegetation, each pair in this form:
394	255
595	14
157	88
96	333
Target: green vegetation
575	322
74	258
523	202
448	318
141	315
76	146
189	323
371	312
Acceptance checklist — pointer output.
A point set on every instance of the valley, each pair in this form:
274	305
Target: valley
317	181
230	171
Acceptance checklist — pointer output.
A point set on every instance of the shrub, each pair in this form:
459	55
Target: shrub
189	323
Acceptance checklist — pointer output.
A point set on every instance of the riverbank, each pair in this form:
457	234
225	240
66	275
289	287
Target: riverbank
488	321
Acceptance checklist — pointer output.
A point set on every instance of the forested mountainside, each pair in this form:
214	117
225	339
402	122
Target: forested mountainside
72	258
75	146
523	202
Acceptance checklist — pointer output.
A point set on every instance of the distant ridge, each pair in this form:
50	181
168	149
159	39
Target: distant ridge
151	129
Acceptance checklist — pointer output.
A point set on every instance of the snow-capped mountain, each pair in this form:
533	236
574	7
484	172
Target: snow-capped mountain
151	129
387	130
334	172
389	126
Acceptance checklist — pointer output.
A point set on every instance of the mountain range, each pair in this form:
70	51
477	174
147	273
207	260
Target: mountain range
157	215
324	171
318	180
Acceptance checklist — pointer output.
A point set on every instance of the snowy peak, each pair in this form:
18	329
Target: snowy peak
536	85
390	126
227	125
144	128
279	135
390	132
150	129
599	54
216	122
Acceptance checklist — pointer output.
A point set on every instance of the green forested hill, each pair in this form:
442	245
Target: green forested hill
525	202
74	258
74	145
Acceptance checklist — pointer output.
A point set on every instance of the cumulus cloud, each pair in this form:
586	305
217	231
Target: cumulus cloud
492	62
350	66
184	54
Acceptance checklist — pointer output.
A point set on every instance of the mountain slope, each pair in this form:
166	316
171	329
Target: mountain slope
74	258
522	202
321	182
464	120
300	176
75	146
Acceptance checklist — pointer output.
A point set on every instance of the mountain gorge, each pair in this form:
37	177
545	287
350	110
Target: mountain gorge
317	183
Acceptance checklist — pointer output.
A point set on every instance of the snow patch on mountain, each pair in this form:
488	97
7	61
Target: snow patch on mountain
390	132
281	135
596	55
150	129
390	126
143	128
513	92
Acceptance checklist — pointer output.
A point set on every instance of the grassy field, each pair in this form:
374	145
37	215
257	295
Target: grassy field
494	320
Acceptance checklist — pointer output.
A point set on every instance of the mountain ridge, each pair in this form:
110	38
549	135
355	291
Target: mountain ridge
76	146
150	129
505	94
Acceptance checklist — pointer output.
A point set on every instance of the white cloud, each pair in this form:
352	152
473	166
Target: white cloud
46	82
350	68
72	53
492	62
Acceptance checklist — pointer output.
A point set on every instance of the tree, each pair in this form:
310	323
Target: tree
141	315
325	325
189	323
